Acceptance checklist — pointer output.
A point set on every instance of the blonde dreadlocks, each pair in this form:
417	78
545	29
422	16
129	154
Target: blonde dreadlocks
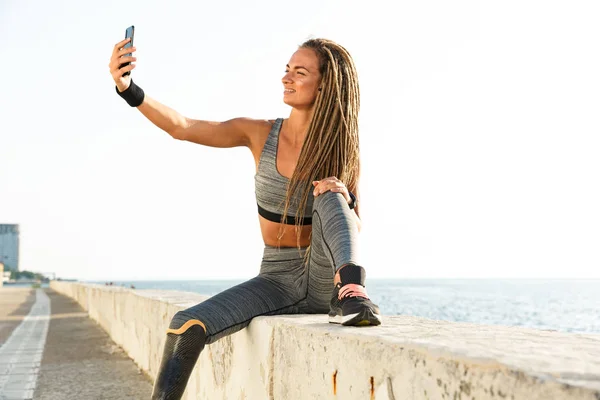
331	146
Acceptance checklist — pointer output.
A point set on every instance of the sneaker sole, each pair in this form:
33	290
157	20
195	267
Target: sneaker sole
364	318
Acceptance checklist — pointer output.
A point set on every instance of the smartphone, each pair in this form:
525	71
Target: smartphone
128	34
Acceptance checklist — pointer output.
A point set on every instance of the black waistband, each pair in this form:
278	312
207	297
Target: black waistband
277	217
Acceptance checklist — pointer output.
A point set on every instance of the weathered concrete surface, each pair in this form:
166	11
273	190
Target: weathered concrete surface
23	323
81	362
21	354
15	304
304	357
416	358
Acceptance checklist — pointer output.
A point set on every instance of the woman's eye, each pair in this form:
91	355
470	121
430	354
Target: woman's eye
301	73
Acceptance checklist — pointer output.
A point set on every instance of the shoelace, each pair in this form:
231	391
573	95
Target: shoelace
352	290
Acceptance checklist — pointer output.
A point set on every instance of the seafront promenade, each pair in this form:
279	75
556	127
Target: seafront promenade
75	359
82	341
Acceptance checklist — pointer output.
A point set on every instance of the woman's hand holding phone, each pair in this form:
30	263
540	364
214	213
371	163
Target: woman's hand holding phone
120	56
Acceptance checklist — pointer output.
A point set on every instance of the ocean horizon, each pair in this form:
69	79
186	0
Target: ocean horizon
565	305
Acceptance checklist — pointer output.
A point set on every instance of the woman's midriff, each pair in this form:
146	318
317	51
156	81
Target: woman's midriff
270	231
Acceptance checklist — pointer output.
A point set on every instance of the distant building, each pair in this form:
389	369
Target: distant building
9	246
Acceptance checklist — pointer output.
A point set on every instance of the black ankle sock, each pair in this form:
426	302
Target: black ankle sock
352	274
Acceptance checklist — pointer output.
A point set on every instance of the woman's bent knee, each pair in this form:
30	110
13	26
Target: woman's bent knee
328	200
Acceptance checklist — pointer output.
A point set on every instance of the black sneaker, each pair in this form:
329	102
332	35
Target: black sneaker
351	306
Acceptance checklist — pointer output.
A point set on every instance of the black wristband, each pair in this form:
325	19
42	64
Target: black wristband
133	95
353	197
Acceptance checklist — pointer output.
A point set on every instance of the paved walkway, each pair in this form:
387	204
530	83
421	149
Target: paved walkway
50	349
21	354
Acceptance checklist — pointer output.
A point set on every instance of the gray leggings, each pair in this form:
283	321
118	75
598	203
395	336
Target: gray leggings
285	285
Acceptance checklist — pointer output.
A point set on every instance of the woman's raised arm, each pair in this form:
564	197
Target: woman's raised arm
232	133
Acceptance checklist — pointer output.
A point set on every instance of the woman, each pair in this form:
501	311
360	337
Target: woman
307	169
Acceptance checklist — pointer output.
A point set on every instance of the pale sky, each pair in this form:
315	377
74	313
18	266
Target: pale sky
479	133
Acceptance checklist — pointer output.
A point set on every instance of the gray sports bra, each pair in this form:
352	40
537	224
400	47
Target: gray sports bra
270	185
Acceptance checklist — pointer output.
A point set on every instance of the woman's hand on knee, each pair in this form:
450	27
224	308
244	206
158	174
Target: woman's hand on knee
331	184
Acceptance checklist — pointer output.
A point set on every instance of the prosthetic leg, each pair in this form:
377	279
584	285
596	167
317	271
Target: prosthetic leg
182	349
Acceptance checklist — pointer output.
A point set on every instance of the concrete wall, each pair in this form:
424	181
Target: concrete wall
304	357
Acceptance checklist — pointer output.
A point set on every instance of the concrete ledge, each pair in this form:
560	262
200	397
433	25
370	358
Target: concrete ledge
304	357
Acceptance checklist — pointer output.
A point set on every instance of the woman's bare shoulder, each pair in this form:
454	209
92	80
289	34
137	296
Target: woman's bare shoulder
257	131
252	125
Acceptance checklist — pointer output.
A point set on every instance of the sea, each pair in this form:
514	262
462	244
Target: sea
563	305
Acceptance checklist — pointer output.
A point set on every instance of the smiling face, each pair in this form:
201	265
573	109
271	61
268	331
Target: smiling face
301	79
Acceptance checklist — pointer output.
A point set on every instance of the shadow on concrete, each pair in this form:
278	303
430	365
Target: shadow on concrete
15	304
80	361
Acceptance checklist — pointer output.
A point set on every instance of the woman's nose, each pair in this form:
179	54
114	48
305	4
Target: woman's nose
286	78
